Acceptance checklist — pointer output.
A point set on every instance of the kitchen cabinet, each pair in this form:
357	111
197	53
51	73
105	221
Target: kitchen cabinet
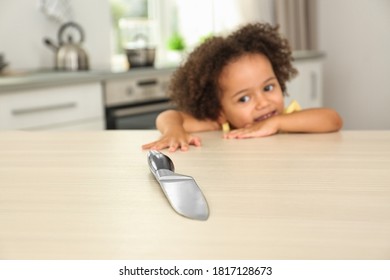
306	88
67	107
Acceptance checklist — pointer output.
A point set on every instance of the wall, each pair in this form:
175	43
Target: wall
23	27
355	37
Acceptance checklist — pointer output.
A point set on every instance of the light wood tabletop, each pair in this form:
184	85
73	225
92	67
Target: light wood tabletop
91	195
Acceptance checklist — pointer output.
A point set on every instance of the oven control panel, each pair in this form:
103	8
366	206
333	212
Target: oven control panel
126	91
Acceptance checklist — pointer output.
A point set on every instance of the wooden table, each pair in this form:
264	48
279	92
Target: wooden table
90	195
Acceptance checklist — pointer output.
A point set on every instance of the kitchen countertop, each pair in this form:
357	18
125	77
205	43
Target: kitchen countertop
31	79
24	80
90	195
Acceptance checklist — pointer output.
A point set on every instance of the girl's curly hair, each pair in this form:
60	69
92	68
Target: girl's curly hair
194	86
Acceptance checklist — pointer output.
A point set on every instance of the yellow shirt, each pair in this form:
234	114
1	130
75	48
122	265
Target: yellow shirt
293	107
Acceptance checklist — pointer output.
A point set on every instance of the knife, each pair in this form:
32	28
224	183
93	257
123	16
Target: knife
182	192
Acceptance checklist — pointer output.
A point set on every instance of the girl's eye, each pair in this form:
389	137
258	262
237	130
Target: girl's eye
269	88
244	99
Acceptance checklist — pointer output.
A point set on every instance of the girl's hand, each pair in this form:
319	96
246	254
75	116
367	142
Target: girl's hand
174	141
259	129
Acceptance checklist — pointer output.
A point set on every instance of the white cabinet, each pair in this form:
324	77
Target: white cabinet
306	88
70	107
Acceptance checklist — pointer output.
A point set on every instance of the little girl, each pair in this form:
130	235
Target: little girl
237	82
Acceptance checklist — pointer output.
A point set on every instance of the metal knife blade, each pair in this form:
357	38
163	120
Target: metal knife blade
182	192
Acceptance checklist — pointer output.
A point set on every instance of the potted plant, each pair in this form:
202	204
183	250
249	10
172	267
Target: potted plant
176	42
176	46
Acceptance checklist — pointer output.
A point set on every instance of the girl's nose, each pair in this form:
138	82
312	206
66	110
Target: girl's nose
261	101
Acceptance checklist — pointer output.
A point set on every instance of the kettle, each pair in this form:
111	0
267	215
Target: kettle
69	54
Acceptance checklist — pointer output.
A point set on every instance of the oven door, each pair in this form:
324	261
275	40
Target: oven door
136	116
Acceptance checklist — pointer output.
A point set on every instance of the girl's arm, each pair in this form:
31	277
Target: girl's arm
319	120
311	120
175	127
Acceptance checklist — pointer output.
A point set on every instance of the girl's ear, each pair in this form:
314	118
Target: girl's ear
222	118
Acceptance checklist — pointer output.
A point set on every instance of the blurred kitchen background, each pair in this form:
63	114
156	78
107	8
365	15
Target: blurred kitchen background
353	36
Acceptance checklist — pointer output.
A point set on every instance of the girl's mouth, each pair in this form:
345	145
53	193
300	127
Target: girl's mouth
266	116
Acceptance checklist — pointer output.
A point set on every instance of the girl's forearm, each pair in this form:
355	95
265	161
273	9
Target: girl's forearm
169	119
311	120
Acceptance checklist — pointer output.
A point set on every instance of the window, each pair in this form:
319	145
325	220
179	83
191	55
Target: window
174	24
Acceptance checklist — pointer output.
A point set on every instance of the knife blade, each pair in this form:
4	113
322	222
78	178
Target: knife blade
182	192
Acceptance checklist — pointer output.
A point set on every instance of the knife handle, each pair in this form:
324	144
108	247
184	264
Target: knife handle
158	161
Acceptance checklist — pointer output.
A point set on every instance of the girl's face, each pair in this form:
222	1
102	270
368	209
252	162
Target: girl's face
250	91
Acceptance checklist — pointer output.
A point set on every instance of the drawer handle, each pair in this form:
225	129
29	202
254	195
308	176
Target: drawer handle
144	83
25	111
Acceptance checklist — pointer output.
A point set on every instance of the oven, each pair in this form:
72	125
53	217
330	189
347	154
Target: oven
134	101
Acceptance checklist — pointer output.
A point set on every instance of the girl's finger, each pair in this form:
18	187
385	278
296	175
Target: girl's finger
173	147
148	146
196	141
184	146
